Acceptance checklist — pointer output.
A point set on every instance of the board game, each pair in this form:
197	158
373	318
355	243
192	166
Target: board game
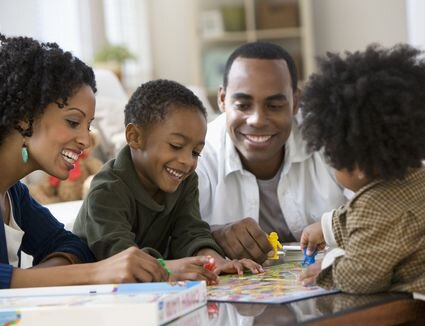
278	284
105	304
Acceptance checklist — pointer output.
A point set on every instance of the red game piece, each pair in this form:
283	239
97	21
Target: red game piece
210	265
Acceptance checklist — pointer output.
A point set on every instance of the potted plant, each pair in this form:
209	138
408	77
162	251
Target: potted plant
113	57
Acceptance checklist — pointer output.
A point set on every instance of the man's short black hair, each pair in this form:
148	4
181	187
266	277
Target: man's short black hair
151	102
368	108
262	50
33	75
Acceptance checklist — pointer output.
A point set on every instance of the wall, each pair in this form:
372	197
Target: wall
338	25
19	18
352	24
67	22
173	36
416	22
127	22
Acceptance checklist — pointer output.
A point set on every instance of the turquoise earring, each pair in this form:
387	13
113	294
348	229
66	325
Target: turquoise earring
24	153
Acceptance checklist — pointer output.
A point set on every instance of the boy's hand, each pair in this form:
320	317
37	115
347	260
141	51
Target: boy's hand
238	266
242	239
308	277
312	238
192	268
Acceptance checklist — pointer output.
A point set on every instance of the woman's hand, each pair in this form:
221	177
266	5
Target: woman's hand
128	266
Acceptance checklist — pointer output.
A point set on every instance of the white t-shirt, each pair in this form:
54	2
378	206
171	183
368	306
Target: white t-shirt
271	218
227	192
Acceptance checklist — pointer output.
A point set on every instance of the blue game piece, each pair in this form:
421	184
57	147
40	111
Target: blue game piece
308	260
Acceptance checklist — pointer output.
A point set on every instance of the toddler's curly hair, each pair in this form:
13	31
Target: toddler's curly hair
368	108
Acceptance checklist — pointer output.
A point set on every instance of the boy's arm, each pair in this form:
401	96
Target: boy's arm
105	222
189	232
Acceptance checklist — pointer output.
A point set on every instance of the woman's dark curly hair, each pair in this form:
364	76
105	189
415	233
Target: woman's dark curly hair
33	75
151	102
368	108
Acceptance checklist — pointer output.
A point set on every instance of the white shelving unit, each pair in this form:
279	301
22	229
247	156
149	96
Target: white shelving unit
226	24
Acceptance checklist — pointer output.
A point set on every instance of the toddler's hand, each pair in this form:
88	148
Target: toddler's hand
308	277
312	238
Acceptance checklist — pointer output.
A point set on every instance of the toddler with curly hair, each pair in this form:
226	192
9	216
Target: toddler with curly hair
367	111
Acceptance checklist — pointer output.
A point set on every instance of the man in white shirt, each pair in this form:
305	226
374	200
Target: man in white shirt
255	174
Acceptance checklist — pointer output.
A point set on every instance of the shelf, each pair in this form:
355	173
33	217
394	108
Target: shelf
226	37
229	37
261	21
280	33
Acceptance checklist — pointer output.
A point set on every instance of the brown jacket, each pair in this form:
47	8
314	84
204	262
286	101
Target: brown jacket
382	230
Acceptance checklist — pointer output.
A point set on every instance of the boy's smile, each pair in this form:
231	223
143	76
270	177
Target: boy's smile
175	174
167	152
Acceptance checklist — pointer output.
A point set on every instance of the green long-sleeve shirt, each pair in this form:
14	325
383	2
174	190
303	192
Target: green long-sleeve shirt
119	213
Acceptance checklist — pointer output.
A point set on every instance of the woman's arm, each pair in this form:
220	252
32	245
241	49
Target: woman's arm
44	235
129	266
58	259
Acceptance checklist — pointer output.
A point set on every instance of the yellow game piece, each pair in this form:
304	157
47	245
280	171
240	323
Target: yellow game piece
274	242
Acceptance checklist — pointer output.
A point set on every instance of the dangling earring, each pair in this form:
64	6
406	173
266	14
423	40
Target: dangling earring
24	153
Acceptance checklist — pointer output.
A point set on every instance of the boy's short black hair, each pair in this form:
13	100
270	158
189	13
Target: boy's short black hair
33	75
262	50
368	108
151	102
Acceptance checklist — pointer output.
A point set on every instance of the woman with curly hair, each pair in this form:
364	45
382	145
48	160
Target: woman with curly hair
367	111
47	104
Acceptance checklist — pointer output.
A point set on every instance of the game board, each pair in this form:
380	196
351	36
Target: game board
278	284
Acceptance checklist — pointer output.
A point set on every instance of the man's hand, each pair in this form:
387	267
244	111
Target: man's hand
242	239
312	238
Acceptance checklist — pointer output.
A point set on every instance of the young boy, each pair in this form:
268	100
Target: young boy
367	110
148	196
